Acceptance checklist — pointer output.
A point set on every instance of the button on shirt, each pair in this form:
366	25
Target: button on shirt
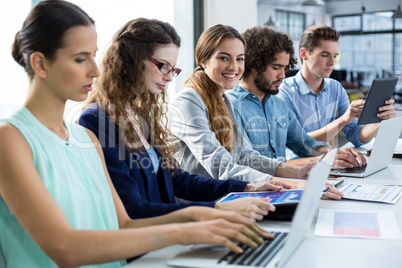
269	126
316	111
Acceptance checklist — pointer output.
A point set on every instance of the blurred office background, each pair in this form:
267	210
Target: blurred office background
370	46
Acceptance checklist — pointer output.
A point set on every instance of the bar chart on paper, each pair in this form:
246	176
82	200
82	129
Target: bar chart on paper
389	194
358	224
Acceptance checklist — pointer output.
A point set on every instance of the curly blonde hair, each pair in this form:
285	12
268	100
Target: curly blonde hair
121	89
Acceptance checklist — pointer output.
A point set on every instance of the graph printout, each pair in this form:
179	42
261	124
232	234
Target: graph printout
367	192
359	224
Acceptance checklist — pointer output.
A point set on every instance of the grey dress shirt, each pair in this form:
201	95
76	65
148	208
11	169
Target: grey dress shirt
202	154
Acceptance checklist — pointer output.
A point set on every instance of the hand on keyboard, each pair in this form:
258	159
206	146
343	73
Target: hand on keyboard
350	157
260	256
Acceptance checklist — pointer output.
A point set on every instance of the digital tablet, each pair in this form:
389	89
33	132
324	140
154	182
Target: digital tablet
277	198
381	90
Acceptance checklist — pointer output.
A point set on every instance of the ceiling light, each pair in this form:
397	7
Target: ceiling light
397	13
312	3
270	22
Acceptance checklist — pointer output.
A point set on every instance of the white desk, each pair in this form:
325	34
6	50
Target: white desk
329	252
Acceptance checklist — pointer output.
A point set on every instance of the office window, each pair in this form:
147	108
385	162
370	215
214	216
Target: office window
398	24
398	61
348	23
370	55
109	16
372	48
292	23
378	21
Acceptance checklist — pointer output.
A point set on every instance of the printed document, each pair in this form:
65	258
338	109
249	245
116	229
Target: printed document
368	224
368	192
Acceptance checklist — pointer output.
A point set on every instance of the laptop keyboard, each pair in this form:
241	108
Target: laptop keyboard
260	256
355	170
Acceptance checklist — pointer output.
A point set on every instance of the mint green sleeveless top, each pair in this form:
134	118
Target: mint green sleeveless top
72	172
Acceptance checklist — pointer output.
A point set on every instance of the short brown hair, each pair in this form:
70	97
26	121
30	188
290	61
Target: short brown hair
262	45
312	36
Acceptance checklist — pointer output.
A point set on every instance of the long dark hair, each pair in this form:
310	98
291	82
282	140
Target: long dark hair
44	28
121	85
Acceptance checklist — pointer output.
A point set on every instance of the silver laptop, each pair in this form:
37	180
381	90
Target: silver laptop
381	153
272	253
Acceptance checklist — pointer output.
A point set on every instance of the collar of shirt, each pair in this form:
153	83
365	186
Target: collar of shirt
302	86
242	93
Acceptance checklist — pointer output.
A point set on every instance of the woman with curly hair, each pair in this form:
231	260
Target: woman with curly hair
202	117
58	207
127	112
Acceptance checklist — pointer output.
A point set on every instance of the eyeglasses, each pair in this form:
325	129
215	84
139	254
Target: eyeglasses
165	68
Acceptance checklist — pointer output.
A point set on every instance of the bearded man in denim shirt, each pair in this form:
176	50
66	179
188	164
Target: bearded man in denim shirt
264	119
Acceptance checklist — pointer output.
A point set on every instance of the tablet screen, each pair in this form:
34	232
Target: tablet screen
280	197
381	90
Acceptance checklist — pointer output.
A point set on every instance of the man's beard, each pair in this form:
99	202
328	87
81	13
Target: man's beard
264	85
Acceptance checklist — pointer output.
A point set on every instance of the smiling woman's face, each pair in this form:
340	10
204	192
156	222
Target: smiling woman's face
226	65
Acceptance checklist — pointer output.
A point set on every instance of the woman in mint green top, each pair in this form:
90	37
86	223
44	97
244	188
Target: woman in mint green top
67	168
58	206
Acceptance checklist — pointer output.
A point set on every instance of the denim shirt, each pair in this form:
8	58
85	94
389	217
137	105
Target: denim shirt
316	111
269	126
201	153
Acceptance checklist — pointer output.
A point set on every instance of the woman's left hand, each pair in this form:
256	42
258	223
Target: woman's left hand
305	170
275	184
250	207
332	192
199	213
